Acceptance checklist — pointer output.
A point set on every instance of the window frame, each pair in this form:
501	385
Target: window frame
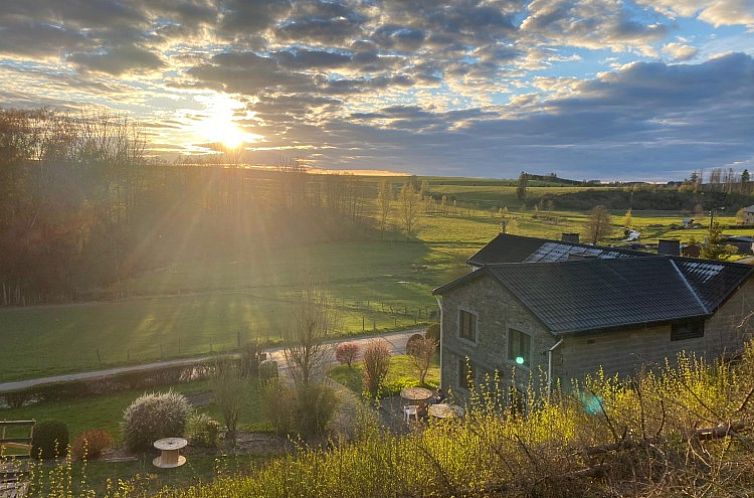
695	329
510	356
475	331
464	365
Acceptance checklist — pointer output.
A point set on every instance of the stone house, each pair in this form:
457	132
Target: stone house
549	312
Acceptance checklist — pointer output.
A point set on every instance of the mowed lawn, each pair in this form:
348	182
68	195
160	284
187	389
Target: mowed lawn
191	307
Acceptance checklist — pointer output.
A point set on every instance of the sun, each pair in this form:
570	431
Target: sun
220	126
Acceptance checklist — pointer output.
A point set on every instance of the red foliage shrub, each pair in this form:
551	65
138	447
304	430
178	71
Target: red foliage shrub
346	352
91	444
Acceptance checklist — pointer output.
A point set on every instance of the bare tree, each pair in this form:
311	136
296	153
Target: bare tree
421	351
312	323
598	224
384	201
409	206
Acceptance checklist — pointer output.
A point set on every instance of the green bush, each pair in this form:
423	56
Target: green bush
304	410
49	440
152	417
203	430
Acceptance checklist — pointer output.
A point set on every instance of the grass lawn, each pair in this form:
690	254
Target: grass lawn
105	412
402	374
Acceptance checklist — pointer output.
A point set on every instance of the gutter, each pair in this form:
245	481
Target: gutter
439	305
549	365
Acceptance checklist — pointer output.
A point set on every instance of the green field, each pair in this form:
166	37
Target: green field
192	307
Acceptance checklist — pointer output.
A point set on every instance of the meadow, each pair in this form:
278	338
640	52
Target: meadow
194	306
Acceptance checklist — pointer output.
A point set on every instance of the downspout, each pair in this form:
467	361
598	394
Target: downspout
439	305
549	365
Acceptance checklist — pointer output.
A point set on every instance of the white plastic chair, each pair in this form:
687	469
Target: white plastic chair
411	411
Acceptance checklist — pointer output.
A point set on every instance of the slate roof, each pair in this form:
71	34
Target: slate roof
613	289
507	248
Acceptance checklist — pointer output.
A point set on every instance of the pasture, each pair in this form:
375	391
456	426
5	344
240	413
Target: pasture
193	307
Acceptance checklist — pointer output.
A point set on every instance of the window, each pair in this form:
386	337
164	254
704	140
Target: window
465	373
519	345
687	330
467	325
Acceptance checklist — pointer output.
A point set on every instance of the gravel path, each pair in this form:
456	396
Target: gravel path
395	340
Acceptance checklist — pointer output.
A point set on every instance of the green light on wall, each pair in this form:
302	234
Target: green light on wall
520	360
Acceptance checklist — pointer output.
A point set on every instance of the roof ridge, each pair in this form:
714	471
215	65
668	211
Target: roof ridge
689	286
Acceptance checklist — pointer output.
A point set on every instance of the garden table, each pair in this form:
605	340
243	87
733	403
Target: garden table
445	410
416	394
170	449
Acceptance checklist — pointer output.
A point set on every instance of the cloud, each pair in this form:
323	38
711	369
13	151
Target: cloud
679	51
714	12
118	60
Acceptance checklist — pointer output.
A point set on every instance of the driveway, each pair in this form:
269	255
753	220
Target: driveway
396	342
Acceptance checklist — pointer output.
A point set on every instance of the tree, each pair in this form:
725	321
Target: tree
312	322
598	224
628	219
714	247
422	351
409	208
745	182
384	202
376	367
227	386
741	216
523	183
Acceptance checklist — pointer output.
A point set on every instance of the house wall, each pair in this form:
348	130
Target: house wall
497	311
625	352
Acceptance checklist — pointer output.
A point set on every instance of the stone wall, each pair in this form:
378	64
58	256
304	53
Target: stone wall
497	311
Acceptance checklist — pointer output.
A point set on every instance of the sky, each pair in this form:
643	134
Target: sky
588	89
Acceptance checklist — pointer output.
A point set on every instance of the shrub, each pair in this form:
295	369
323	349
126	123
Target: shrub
49	440
412	343
433	332
17	399
203	430
346	352
315	405
278	406
376	366
152	417
90	444
250	360
227	388
305	410
268	370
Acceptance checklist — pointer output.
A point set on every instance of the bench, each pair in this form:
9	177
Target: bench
15	443
16	435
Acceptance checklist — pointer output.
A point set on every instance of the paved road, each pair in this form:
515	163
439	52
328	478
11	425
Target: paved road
396	341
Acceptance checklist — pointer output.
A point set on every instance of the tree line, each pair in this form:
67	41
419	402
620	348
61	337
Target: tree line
82	206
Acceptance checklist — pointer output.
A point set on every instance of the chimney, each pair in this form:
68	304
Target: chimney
571	238
669	247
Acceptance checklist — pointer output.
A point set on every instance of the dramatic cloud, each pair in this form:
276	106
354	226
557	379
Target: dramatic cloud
591	88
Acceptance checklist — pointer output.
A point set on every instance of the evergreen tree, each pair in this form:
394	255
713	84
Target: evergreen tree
523	184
